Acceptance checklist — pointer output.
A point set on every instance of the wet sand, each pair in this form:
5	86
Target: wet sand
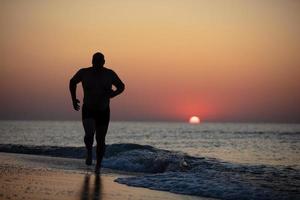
38	177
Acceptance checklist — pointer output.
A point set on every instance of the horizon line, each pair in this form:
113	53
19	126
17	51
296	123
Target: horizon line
168	121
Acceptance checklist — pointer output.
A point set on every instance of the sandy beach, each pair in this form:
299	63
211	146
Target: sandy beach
39	177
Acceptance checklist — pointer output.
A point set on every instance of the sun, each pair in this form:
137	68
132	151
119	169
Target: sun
194	120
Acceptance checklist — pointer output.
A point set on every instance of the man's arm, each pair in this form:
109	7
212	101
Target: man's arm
120	87
72	86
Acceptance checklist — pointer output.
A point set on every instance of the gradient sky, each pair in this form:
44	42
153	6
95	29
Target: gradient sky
219	60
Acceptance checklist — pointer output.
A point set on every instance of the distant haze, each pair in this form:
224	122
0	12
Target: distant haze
219	60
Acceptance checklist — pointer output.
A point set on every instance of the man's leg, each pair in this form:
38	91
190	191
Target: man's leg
101	129
89	128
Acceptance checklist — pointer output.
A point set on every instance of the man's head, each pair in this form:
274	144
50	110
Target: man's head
98	60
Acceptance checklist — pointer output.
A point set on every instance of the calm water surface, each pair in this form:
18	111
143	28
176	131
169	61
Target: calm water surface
275	144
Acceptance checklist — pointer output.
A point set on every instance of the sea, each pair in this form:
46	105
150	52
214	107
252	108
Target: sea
218	160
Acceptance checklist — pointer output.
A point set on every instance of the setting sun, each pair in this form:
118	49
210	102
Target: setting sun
194	120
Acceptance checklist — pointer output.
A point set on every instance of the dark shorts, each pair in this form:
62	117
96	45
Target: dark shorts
100	116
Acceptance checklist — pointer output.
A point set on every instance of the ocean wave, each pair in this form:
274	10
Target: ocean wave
180	173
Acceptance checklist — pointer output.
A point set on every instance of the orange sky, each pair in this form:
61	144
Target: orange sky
219	60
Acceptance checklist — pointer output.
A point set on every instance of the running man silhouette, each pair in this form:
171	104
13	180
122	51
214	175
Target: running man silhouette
97	82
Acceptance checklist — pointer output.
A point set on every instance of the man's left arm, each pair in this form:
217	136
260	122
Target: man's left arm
120	87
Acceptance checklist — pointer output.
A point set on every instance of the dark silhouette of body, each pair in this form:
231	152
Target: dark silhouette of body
97	82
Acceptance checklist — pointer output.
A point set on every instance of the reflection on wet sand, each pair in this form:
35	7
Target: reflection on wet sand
87	192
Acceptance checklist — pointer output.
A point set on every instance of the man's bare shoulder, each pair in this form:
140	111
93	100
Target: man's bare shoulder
85	69
109	71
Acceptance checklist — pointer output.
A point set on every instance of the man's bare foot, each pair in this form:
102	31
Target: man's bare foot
97	170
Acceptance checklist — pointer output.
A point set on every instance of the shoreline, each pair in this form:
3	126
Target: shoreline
41	177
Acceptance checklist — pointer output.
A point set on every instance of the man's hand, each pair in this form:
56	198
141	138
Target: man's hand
76	105
119	89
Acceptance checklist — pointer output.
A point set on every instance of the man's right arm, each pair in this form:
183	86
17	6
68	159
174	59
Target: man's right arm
72	86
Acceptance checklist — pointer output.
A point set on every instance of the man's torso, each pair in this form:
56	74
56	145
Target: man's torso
97	85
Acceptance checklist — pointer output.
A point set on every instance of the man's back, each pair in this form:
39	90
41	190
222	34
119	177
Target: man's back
97	86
